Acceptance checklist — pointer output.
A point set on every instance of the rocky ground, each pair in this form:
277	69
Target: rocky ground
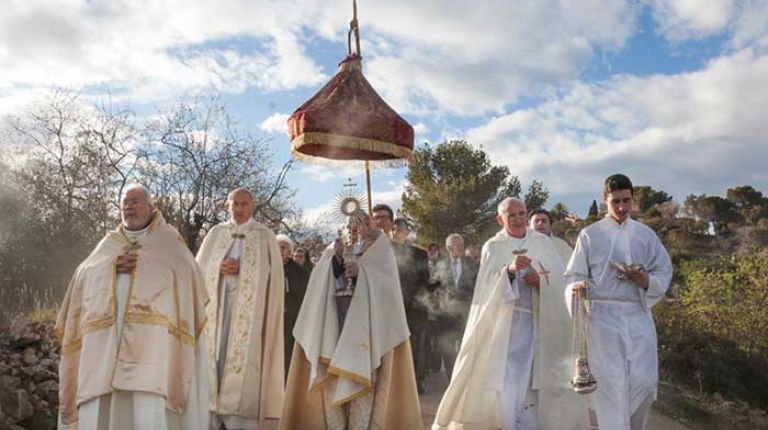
29	358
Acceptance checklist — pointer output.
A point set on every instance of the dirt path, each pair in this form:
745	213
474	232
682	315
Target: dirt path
436	384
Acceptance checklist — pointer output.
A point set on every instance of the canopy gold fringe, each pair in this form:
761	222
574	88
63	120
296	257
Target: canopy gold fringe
349	142
374	164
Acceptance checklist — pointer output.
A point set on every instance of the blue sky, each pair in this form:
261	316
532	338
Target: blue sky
672	92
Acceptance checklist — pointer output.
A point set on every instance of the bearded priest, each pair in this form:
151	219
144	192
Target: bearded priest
131	352
243	273
352	367
513	368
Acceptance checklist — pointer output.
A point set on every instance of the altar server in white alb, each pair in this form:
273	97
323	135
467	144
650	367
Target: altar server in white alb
132	357
243	272
513	368
626	271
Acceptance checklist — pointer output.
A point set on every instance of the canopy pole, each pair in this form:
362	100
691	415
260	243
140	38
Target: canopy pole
368	187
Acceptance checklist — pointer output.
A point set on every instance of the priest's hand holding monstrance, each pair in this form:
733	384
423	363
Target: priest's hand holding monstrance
349	245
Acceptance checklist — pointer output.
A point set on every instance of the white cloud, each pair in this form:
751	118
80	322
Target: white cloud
332	171
687	133
446	56
420	128
691	19
276	123
428	55
389	194
751	25
154	50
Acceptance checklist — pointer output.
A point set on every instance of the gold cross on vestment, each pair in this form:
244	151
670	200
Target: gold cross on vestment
132	246
544	272
363	346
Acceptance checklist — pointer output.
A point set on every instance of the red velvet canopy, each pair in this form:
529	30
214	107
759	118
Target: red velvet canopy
347	120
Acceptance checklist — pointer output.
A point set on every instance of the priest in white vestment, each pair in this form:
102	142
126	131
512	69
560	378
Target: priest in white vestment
132	357
243	272
626	271
352	367
514	365
541	221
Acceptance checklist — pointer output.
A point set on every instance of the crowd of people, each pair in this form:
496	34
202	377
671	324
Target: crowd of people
255	333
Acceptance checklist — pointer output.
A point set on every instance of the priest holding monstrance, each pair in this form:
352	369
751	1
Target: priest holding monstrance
352	366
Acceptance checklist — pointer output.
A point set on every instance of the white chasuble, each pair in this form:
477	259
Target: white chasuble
130	337
514	367
245	344
359	376
621	334
563	249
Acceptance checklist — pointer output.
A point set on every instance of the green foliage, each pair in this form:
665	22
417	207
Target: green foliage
707	363
749	203
536	196
713	209
647	198
727	296
593	213
714	337
559	212
453	187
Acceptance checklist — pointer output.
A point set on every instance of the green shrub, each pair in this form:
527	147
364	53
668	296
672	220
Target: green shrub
713	338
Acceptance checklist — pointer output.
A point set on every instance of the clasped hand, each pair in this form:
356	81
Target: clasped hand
638	276
351	269
126	262
520	263
230	267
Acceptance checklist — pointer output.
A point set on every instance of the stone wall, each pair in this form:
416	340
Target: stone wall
29	359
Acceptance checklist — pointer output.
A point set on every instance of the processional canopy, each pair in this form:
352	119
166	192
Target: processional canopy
348	120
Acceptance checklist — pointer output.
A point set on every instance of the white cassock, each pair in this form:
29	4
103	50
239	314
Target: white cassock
563	249
513	368
621	335
136	410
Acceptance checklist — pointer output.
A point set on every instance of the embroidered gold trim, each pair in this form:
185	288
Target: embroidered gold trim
357	395
349	142
73	346
161	320
325	380
99	324
350	375
200	329
59	333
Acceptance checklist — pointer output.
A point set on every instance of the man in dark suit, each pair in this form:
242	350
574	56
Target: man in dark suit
413	271
414	276
454	282
296	278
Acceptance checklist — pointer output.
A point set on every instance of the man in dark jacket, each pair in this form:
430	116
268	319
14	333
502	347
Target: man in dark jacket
454	281
296	279
412	265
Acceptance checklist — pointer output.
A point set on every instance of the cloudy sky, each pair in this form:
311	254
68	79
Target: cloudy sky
672	92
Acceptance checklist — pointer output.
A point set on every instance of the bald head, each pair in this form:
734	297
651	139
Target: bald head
136	207
504	205
513	217
241	205
286	246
